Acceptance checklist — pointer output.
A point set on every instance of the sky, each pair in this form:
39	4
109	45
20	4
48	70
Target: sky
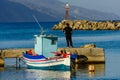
110	6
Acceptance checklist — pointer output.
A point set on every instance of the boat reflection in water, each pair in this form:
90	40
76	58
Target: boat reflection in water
47	74
82	71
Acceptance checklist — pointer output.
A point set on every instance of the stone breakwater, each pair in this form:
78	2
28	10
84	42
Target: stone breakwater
88	25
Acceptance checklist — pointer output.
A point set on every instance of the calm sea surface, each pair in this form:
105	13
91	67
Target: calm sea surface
21	35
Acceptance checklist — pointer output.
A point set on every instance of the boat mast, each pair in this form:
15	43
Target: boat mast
41	28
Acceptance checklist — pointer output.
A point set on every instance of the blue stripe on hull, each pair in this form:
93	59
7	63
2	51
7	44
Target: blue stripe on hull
56	67
33	57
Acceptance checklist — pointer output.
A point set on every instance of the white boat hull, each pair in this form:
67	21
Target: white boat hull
53	63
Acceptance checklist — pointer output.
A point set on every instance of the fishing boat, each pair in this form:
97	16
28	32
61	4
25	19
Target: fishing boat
44	58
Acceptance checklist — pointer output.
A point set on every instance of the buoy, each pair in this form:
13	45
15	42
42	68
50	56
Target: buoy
91	68
1	68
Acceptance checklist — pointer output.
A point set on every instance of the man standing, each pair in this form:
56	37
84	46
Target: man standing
68	34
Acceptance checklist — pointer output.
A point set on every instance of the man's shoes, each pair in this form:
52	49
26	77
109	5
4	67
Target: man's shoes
69	47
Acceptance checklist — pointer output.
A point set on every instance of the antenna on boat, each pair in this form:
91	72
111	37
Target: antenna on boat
41	28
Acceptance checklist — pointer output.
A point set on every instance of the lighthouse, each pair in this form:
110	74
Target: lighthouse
67	11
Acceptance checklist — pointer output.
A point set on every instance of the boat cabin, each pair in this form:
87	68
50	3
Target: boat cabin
45	44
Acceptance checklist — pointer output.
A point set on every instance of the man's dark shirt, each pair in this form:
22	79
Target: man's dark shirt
67	30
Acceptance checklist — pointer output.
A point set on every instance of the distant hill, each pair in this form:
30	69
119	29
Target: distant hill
46	10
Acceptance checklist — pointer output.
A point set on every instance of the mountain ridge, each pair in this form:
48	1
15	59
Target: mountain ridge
45	10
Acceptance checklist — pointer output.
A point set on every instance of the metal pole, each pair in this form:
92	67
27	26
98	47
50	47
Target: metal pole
16	62
42	31
19	63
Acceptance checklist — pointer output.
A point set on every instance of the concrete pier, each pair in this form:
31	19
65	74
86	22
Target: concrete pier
11	53
1	62
1	59
87	54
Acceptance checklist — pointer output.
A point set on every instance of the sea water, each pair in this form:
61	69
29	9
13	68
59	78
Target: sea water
21	35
